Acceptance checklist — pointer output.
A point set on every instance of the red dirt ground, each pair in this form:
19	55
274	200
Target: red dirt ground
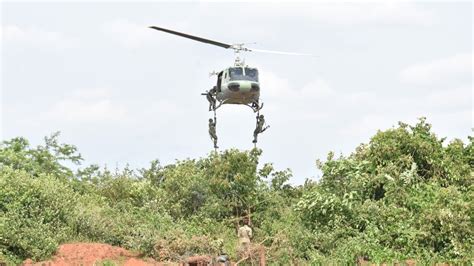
85	254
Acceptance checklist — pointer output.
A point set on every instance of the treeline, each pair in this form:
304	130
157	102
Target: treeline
404	195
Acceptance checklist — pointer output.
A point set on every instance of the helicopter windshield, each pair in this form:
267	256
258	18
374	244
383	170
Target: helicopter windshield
251	73
237	73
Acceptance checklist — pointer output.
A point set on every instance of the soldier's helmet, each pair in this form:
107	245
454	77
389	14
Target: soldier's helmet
210	120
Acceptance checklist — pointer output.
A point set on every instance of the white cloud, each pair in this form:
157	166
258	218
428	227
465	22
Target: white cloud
351	13
127	33
87	105
34	36
318	88
440	70
319	91
388	13
316	100
133	34
276	87
454	99
91	93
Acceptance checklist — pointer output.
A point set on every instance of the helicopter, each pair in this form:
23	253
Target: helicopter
237	84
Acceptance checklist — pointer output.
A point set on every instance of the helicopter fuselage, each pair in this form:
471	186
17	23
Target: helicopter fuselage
238	85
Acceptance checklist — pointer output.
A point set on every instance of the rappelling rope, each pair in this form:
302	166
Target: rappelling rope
215	123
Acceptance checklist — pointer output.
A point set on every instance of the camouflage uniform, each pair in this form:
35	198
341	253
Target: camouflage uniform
259	129
212	132
212	100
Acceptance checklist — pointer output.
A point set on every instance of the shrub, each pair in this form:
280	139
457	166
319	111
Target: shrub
35	213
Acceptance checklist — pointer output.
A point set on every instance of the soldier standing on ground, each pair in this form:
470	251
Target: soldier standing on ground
259	129
245	234
212	132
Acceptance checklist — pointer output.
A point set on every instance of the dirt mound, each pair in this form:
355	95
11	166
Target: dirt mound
92	254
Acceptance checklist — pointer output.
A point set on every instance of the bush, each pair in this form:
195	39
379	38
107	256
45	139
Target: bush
404	195
35	213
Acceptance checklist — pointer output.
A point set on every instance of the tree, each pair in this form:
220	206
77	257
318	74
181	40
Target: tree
46	159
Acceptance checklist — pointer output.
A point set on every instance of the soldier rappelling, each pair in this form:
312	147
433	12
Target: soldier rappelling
260	128
211	98
212	131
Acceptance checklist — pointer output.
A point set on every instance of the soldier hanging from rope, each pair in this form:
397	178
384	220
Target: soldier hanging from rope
212	131
260	127
210	95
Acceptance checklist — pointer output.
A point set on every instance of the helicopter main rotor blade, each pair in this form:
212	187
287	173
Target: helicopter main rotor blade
277	52
199	39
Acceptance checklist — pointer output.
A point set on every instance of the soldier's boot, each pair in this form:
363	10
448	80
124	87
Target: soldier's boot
255	135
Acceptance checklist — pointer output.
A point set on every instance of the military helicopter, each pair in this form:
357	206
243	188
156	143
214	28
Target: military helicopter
238	84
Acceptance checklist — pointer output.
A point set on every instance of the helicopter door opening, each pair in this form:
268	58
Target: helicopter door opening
219	81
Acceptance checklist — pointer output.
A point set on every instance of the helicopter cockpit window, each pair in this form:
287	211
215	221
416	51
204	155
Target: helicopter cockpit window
236	73
251	74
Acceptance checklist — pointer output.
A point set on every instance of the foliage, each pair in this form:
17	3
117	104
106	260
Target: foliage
44	159
35	213
405	194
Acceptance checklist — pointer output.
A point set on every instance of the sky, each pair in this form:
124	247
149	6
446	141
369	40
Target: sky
126	95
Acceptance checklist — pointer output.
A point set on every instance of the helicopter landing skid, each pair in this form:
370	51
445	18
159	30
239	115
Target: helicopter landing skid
255	107
219	105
